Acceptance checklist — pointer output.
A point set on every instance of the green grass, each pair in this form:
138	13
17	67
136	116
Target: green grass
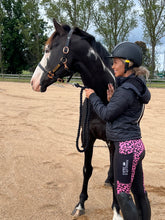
156	85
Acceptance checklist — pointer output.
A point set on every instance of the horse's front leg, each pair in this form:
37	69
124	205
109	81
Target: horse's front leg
110	178
87	172
110	182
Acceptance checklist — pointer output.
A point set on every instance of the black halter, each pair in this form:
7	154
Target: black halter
63	60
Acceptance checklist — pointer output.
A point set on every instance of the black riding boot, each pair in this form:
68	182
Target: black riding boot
127	206
143	206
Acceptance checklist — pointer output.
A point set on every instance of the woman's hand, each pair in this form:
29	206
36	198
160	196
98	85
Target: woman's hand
110	91
89	92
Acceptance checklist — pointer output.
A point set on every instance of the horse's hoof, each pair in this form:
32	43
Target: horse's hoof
78	211
116	215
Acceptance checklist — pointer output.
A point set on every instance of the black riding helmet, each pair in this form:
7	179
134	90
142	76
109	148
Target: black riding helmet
129	52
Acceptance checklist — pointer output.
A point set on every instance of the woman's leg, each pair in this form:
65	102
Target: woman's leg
140	195
126	158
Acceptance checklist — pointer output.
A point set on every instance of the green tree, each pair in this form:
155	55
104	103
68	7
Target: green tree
146	54
1	30
22	35
114	19
12	45
153	17
72	12
33	31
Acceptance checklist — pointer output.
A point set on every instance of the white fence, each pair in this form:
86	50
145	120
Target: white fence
26	77
15	76
74	78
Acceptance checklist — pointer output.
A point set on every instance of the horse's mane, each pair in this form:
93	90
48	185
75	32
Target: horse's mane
97	46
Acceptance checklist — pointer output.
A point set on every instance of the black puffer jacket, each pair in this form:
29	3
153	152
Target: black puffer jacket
125	109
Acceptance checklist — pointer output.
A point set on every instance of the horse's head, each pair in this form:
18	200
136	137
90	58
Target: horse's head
73	50
56	61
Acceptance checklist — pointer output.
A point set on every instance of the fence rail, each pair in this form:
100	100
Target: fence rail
26	77
74	78
15	76
23	76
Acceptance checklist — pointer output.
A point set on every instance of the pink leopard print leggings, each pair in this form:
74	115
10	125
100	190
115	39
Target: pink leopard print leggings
128	172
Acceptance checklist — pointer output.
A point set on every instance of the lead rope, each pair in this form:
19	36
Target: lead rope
85	137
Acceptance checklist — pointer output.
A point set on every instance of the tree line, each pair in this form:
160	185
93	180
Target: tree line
23	27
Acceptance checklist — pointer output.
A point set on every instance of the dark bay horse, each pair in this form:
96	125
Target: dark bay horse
68	51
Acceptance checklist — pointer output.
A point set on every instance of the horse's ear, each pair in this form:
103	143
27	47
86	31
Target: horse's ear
58	27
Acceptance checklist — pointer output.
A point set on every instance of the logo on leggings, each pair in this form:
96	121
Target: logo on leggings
125	168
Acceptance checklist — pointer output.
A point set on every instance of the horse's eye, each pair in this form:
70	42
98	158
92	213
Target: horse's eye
47	50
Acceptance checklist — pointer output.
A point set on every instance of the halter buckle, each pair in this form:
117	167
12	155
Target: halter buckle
64	61
50	75
66	50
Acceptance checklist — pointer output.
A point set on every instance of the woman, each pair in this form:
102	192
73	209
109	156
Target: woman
122	115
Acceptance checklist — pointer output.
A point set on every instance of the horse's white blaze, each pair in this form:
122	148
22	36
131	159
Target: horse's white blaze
35	80
116	216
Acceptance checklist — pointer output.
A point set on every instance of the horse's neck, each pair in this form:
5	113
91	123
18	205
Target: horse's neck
96	75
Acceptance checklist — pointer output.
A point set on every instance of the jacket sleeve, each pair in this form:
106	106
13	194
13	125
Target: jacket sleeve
120	101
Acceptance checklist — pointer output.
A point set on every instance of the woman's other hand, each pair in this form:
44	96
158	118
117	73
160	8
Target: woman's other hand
110	91
89	92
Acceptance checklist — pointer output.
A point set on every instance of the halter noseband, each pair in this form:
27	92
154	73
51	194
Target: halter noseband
63	60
